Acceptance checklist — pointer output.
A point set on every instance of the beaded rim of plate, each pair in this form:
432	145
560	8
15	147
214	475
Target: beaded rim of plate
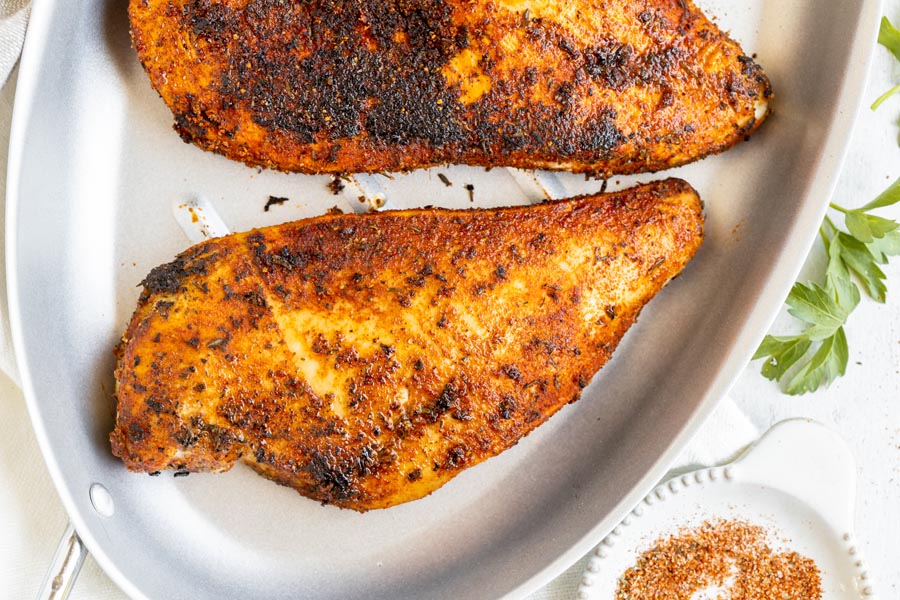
712	475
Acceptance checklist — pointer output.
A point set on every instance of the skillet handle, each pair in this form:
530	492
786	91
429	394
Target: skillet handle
60	578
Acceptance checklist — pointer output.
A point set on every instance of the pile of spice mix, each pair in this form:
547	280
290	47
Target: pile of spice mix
720	560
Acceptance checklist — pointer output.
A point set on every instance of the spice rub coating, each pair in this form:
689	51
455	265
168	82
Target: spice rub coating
341	86
365	360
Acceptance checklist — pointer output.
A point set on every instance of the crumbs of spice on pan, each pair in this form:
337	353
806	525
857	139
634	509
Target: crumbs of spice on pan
336	185
471	189
444	180
373	202
727	560
274	201
334	210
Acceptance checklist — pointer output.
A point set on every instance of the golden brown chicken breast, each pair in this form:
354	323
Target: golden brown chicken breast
365	360
340	86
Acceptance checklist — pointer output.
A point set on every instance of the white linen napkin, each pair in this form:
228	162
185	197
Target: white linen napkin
31	514
13	21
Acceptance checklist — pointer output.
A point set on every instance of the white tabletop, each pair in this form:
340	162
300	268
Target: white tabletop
864	406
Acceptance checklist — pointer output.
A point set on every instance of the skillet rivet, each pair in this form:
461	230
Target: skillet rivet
101	500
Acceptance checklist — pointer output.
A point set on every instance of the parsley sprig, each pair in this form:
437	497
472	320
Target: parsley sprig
889	37
818	355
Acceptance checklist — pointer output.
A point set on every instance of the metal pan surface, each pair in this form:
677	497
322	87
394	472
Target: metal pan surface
96	177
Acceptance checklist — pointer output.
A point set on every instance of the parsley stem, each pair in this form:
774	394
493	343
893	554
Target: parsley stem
885	96
838	208
825	239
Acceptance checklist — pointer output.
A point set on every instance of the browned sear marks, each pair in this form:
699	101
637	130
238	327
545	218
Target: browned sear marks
344	357
343	86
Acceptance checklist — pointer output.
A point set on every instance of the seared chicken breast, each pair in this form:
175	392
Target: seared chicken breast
341	86
365	360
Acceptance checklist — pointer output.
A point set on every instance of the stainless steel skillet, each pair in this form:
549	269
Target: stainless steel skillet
95	174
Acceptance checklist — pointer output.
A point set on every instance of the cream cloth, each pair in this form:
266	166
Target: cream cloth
32	518
13	21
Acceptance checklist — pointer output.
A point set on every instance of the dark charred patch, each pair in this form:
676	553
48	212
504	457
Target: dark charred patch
262	457
448	399
567	47
210	20
336	185
507	407
338	475
321	345
256	298
396	94
163	306
186	437
511	371
609	62
274	201
153	404
456	456
168	278
461	414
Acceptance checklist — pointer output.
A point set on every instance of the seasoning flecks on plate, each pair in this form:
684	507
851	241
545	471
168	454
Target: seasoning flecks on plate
725	560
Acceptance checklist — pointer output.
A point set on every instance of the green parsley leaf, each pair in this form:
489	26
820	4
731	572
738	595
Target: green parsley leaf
882	248
837	278
827	364
862	263
781	354
818	355
814	305
866	228
886	198
889	37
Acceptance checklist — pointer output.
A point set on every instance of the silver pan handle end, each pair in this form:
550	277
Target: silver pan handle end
64	569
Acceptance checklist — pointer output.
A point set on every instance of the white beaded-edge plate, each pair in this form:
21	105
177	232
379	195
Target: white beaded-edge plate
798	482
